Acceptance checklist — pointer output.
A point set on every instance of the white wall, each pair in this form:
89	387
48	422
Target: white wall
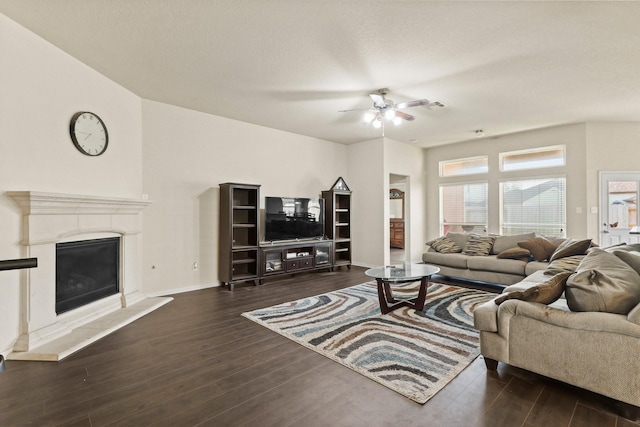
610	147
408	160
370	164
573	136
187	154
42	87
368	182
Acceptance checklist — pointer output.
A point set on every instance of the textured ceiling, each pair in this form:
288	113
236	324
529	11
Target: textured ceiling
499	66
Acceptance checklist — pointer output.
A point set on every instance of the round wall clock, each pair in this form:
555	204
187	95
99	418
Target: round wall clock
88	133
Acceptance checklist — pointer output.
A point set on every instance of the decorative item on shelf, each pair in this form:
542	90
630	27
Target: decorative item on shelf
89	133
3	366
340	185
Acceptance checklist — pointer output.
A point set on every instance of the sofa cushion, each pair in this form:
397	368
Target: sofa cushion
632	258
544	293
503	243
535	266
634	315
447	260
571	247
492	263
569	263
540	247
531	280
478	245
615	247
515	253
555	241
444	245
629	247
603	282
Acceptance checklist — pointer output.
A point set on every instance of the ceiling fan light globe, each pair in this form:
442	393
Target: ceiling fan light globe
397	120
369	116
377	124
389	114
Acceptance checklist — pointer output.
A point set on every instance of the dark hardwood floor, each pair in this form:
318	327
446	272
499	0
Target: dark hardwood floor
196	361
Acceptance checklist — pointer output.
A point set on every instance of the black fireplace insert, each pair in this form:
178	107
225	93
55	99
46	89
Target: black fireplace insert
86	271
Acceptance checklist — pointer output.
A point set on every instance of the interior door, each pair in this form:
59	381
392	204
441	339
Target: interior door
399	220
619	208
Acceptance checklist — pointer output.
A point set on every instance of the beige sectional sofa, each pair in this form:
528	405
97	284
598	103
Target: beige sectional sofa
489	267
588	337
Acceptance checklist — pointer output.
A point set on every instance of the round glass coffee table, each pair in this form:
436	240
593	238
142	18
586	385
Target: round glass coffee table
386	276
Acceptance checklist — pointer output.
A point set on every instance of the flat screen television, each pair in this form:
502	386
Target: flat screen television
293	218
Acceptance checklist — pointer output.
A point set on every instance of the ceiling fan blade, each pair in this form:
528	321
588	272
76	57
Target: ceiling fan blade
355	109
405	116
378	100
409	104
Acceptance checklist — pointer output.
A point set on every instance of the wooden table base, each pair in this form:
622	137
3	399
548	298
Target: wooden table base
388	303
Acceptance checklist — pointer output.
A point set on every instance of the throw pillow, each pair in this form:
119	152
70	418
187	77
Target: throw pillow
603	282
478	245
515	253
623	247
544	293
540	248
503	243
566	264
444	245
632	258
459	239
430	242
571	247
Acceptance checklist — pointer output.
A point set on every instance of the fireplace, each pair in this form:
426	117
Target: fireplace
86	271
87	283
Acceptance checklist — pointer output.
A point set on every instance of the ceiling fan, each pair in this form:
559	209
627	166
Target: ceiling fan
387	109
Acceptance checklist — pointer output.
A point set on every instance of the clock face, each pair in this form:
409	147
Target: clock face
89	134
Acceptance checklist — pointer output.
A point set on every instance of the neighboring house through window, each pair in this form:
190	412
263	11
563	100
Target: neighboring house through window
537	205
527	204
464	207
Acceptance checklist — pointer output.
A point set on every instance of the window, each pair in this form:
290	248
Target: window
532	159
463	207
534	205
468	166
623	211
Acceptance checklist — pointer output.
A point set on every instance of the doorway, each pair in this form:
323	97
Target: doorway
398	224
619	217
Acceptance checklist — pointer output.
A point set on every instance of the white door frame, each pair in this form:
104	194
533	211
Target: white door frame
407	219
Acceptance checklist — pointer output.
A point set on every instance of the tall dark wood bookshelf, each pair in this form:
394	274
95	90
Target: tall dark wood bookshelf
239	251
337	203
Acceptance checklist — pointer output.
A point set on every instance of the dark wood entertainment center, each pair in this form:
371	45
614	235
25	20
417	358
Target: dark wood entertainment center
243	258
294	257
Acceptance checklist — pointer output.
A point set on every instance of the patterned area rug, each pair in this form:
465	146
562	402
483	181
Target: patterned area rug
413	353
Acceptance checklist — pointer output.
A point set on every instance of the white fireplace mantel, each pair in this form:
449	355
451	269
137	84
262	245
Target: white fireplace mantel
40	203
51	218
